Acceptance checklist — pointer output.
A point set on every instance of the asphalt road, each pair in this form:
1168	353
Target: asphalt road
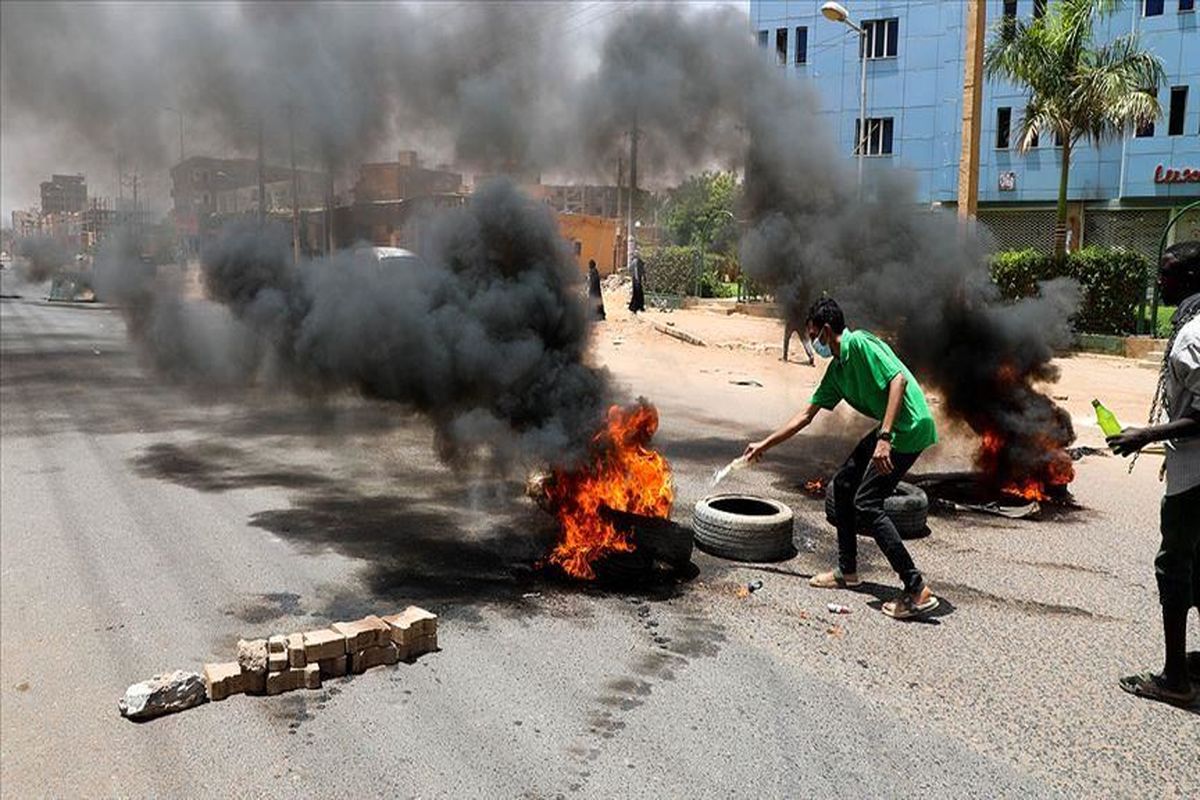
146	527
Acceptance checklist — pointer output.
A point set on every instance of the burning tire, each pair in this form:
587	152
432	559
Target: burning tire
908	508
743	528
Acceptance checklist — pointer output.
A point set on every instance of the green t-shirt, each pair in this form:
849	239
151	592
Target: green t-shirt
860	374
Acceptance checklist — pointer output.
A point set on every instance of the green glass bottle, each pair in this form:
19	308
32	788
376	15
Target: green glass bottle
1106	419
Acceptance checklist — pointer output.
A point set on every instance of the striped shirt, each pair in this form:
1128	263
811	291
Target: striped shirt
1183	396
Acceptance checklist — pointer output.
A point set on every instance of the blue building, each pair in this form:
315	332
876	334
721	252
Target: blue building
1121	193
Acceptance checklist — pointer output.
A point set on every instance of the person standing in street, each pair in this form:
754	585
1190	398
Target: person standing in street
790	327
594	290
637	296
865	373
1177	565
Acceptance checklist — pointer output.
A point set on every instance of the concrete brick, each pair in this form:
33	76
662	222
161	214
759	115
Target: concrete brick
295	650
277	644
323	644
222	680
418	647
287	681
334	667
411	624
312	676
277	662
252	654
370	631
364	660
254	682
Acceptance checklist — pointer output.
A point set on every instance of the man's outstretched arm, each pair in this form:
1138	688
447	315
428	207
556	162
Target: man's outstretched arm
754	450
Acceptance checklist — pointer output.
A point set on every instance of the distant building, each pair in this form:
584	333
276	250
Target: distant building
26	223
593	237
403	179
103	217
596	201
244	199
64	194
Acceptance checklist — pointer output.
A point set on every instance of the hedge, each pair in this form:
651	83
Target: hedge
1113	282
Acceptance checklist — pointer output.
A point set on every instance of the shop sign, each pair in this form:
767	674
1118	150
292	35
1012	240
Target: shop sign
1164	174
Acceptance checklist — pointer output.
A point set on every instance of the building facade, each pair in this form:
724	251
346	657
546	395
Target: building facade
403	179
1122	192
64	194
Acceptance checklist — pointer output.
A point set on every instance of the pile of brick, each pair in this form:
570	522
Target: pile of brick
302	660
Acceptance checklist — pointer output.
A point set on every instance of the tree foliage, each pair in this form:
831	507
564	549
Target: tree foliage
700	211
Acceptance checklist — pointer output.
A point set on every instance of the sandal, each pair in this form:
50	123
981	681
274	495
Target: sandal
833	580
1151	687
911	605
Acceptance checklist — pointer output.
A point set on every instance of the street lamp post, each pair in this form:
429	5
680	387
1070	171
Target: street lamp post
836	12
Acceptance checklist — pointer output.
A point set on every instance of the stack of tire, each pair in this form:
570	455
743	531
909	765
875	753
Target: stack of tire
908	508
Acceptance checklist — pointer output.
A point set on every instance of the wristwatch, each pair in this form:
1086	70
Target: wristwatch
885	436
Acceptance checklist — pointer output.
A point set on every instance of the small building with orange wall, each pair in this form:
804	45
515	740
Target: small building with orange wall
593	237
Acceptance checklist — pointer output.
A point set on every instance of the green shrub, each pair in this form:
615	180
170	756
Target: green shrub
1018	272
1113	281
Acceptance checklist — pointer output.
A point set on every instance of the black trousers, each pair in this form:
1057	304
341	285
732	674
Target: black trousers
859	492
1177	566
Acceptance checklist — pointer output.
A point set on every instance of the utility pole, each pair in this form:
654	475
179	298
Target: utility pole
972	105
262	179
329	208
295	189
633	154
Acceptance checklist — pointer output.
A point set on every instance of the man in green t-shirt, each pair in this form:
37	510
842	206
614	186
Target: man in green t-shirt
866	374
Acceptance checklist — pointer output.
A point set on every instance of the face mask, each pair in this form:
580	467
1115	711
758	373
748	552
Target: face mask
822	349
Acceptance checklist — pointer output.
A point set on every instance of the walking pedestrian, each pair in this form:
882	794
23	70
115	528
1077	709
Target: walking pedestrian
873	381
790	326
594	290
637	296
1177	565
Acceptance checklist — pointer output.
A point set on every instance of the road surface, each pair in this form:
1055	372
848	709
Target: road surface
145	527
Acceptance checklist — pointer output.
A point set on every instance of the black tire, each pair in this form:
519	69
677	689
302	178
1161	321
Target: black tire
908	508
743	528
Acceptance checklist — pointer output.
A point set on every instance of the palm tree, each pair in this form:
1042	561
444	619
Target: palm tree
1076	88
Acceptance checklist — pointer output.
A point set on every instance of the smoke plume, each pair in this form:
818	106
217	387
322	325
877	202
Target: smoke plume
40	258
486	337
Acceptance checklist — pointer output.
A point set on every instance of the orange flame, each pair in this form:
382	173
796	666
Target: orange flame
624	474
815	487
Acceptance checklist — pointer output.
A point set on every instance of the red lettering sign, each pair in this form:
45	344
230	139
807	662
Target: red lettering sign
1170	175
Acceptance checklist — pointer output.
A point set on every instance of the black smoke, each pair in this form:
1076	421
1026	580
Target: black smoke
486	336
40	258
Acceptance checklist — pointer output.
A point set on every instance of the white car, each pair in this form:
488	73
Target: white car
389	256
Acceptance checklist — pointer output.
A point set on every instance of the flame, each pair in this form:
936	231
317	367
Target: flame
815	487
624	473
1051	466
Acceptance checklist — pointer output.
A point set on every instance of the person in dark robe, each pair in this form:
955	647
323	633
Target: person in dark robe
637	297
594	289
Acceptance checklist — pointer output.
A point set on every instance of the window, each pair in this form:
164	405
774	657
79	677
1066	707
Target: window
1003	127
1010	9
763	38
1152	8
1187	5
1147	130
781	45
1039	8
879	136
1034	140
881	37
1057	139
579	244
1178	110
801	45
